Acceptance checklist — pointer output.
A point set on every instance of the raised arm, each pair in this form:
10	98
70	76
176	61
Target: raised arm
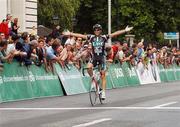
127	29
75	35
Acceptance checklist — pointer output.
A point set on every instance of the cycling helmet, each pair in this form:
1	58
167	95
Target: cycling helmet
97	26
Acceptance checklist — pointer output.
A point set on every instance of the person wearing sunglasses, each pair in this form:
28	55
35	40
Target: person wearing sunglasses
98	41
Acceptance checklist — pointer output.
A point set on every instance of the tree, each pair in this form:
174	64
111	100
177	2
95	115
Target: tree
90	13
65	10
150	18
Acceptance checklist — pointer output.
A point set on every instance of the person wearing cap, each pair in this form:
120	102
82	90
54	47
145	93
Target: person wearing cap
98	41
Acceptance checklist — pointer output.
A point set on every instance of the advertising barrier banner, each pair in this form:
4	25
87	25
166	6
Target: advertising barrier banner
177	71
170	73
21	82
71	80
117	76
15	84
148	73
130	74
43	83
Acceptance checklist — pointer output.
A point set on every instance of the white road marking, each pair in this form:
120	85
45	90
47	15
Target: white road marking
166	104
93	122
89	108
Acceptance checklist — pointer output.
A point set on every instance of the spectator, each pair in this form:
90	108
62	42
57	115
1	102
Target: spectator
40	52
51	54
26	48
115	47
176	56
12	47
66	55
2	36
4	28
49	41
70	40
121	54
10	23
15	26
140	51
4	57
33	31
55	33
82	53
109	53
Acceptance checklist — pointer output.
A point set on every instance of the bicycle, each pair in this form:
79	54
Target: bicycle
95	89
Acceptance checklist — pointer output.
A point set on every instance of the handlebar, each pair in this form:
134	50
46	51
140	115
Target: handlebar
85	68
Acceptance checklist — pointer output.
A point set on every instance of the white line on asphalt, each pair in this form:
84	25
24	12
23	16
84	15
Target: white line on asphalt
166	104
92	123
89	108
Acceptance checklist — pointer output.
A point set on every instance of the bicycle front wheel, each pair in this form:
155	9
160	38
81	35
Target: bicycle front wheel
93	93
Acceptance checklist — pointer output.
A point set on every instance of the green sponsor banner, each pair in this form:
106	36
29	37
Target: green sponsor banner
162	73
86	81
21	82
117	76
71	80
15	84
109	82
170	73
1	82
43	83
130	74
177	71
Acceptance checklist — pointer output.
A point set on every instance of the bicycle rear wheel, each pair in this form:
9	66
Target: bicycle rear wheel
100	94
100	98
93	93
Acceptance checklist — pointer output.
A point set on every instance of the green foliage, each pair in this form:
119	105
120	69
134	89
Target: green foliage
64	9
149	18
90	13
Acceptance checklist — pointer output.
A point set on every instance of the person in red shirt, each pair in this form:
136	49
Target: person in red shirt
115	48
4	28
112	51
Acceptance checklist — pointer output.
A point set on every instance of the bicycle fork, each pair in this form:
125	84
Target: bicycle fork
97	87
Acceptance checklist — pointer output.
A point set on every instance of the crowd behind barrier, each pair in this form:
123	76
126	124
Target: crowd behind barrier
28	48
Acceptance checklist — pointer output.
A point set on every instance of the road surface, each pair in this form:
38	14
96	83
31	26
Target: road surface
153	105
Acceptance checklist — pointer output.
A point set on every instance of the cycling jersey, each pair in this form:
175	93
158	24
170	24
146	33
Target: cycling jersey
98	45
98	50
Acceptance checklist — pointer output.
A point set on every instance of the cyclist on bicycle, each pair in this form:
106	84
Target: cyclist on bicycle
98	50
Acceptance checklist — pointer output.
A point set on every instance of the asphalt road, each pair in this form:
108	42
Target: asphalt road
154	105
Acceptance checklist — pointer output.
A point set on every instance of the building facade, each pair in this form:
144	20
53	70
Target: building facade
24	10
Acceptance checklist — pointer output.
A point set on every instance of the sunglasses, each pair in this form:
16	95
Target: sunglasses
97	29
